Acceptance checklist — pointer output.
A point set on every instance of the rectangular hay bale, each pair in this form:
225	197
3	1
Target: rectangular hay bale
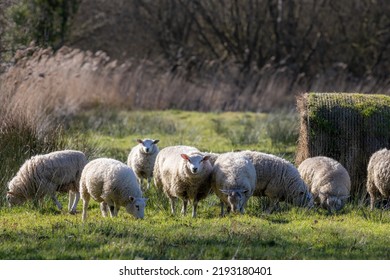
348	127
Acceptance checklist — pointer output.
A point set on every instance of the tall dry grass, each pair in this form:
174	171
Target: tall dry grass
70	79
43	90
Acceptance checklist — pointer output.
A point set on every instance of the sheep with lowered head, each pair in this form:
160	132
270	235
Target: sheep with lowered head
47	174
378	177
183	172
233	181
328	181
279	180
142	158
113	184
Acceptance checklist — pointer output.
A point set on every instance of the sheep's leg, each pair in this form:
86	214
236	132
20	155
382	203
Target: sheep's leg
172	201
194	207
76	198
86	198
184	209
222	210
54	198
112	209
228	209
71	198
242	210
148	185
103	208
387	205
372	201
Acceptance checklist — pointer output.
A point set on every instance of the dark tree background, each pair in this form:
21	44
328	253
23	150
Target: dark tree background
348	42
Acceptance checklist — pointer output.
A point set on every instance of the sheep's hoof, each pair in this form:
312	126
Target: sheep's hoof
73	212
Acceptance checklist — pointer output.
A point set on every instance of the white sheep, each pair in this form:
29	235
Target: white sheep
233	181
212	157
47	174
142	158
111	183
328	181
378	177
183	172
279	180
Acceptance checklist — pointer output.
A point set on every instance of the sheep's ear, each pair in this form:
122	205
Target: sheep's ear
206	158
140	141
185	156
156	141
132	199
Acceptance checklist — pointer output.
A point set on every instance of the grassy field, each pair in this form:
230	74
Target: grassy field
30	232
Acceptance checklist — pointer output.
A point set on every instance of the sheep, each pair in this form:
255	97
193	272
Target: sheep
142	158
47	174
183	172
279	180
328	182
233	181
378	177
212	157
113	184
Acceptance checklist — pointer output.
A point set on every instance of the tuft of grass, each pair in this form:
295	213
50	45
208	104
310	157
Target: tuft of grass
282	127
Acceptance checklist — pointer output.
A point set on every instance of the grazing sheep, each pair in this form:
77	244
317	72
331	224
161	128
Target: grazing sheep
328	181
378	177
47	174
233	181
111	183
183	172
279	180
141	159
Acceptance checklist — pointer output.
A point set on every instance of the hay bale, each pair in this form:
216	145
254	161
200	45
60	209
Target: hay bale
346	127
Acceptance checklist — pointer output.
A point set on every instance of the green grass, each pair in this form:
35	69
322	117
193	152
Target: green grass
30	232
116	131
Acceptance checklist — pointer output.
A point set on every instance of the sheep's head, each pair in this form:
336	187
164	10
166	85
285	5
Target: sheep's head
14	194
136	207
195	162
236	199
333	203
148	145
13	199
304	198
